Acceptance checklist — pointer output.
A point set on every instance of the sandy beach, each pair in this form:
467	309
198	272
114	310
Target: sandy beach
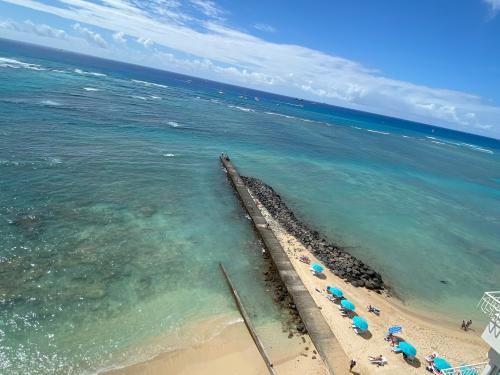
230	351
426	334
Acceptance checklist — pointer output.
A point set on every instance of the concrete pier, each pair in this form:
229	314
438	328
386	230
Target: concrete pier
328	347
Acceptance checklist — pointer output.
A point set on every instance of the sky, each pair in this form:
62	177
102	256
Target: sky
430	61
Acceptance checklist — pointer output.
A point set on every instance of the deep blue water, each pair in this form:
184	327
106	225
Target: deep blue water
114	212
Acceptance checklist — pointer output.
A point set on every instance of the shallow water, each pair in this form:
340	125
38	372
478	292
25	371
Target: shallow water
114	211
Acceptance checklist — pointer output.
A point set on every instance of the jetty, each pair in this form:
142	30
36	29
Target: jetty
327	345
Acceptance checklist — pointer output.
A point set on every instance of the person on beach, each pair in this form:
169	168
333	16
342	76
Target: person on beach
468	324
351	366
464	326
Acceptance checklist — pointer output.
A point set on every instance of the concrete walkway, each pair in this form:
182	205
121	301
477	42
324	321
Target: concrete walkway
328	347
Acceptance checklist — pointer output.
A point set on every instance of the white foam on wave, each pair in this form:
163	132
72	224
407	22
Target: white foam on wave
149	84
169	155
85	73
16	64
477	148
280	114
50	103
244	109
297	118
155	97
173	124
377	131
139	97
91	89
438	143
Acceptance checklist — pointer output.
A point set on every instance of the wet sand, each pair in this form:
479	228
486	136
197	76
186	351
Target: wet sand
232	351
425	333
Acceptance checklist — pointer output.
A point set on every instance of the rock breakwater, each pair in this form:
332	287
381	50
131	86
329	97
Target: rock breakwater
333	257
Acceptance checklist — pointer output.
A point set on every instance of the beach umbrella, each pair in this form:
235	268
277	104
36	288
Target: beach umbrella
407	349
395	329
348	305
441	363
316	267
464	370
335	291
360	323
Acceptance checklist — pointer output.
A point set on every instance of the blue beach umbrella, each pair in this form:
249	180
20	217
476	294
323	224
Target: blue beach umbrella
407	349
360	323
395	329
464	370
441	363
316	267
335	291
348	305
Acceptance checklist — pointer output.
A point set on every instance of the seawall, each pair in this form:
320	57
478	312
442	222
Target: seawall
319	331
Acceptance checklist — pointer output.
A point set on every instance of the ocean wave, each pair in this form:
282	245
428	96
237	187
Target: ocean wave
149	84
85	73
244	109
16	64
377	131
173	124
281	115
155	97
169	155
50	103
139	97
297	118
90	89
439	143
477	148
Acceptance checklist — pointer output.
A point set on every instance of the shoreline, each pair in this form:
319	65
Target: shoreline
230	351
427	335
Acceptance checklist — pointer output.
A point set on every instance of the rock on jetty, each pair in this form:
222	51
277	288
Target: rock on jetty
336	259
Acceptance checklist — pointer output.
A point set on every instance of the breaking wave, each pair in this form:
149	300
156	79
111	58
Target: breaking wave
244	109
16	64
85	73
149	84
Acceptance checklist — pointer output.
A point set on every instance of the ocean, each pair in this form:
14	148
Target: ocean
115	212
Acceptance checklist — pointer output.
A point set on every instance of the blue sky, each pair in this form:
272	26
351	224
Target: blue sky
431	61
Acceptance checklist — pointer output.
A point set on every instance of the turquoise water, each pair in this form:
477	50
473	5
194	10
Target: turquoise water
114	211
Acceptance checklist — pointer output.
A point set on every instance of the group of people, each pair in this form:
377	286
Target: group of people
466	324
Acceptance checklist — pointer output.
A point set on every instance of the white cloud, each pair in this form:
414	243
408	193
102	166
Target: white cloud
264	27
119	37
145	42
494	5
90	36
29	26
219	52
208	8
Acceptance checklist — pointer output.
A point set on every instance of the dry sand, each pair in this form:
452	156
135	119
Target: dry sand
426	334
230	351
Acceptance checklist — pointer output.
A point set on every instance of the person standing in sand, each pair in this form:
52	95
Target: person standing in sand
464	326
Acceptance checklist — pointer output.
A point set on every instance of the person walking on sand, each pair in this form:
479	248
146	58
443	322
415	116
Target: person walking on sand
351	366
468	324
464	326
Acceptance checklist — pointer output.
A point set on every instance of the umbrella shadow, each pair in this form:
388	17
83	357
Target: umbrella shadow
321	276
413	362
367	335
